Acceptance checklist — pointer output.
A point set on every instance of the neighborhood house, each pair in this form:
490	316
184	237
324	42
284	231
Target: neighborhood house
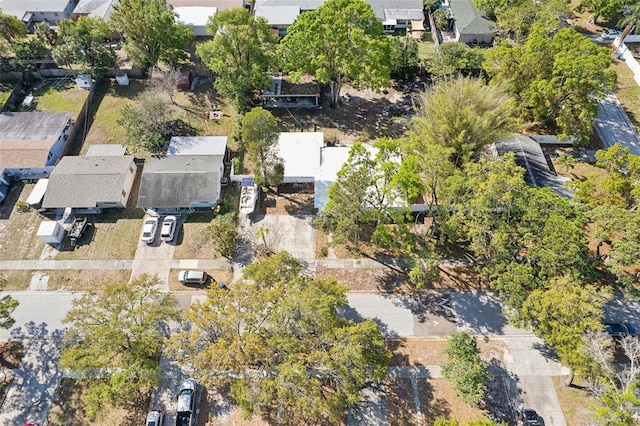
469	25
32	142
33	11
90	182
187	179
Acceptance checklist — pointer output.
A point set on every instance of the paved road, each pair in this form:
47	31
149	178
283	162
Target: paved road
613	125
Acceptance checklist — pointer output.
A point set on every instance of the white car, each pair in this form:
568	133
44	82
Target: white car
168	229
148	234
155	418
192	276
610	34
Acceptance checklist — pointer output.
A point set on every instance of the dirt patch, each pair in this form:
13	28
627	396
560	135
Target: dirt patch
387	280
416	351
402	409
18	239
68	407
363	115
575	401
322	243
17	280
292	203
438	399
216	276
429	351
87	279
193	240
11	354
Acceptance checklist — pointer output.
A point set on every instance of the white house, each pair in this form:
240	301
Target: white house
300	152
195	17
33	11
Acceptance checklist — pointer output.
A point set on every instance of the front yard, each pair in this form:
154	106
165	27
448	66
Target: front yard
18	240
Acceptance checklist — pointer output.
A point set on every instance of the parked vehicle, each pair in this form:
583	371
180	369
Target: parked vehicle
186	403
149	229
618	330
610	34
78	226
155	418
529	417
192	276
168	228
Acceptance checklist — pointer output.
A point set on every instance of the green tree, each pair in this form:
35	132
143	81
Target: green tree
556	79
7	305
562	314
441	19
147	121
28	54
464	369
117	335
280	341
150	32
404	57
454	59
515	21
630	20
241	52
463	114
260	134
11	30
82	42
341	39
490	7
600	8
46	34
223	232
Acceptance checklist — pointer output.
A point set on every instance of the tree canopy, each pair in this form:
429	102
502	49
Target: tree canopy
241	52
464	368
340	39
150	32
117	335
601	8
7	305
11	30
556	79
280	340
260	134
82	42
463	114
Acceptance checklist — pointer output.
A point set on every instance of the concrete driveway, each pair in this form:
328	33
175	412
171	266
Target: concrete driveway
539	394
155	258
294	234
613	125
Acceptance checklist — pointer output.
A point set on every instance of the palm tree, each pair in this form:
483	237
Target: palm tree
630	20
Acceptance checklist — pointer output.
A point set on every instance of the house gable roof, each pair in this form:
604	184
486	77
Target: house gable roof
178	181
20	8
27	137
96	8
468	19
84	182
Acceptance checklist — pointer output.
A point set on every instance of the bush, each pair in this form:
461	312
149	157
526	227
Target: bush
223	232
22	207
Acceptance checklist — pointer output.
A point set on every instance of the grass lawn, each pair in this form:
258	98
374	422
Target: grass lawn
193	240
17	280
60	97
217	276
575	402
18	240
426	49
191	107
107	104
89	279
68	407
110	235
5	92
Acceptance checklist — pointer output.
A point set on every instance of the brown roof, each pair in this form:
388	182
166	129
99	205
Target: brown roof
24	154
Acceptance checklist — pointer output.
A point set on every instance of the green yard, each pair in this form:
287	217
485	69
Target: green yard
18	240
58	96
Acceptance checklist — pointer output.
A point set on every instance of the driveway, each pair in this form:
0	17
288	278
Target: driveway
294	234
613	125
539	394
155	258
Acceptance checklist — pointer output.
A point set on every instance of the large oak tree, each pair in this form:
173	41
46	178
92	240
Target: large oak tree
341	39
281	341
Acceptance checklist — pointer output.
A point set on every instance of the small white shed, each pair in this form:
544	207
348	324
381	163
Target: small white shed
51	232
36	196
84	81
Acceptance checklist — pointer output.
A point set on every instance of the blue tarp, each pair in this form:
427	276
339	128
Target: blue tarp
247	181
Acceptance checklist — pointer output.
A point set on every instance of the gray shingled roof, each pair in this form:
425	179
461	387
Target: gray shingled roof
529	156
378	6
83	182
33	125
178	181
468	19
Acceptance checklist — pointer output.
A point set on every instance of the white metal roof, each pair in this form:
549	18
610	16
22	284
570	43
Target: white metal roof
38	192
278	15
300	152
106	150
197	145
195	17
